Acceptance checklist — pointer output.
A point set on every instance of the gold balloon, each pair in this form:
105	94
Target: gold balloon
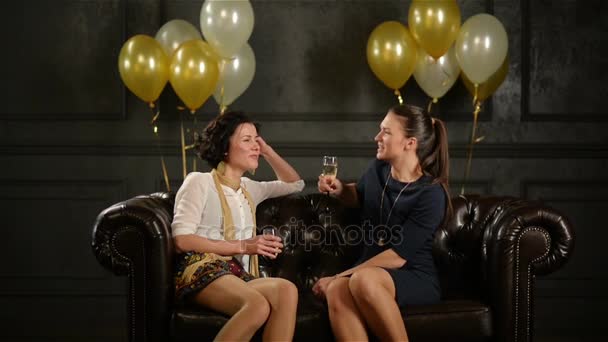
391	53
194	72
488	87
143	67
434	25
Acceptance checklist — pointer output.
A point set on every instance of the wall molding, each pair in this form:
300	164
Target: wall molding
528	183
526	114
309	149
34	282
273	117
447	116
117	192
116	116
561	286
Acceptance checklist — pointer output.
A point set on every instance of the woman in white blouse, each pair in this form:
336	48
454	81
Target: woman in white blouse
214	233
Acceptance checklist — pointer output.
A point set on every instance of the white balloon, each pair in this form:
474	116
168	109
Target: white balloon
226	25
175	32
436	76
235	76
481	47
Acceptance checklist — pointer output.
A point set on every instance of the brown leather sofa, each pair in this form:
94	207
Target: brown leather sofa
488	256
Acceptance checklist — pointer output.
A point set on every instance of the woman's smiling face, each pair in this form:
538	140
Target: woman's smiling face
244	150
391	139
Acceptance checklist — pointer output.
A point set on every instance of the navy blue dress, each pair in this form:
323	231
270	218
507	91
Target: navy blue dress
409	232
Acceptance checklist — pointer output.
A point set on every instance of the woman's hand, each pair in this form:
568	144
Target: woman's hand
265	149
320	287
333	186
267	245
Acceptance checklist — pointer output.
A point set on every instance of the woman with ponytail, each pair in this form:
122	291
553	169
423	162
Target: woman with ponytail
404	198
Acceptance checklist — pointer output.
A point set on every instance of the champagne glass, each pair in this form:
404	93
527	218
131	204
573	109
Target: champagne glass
270	231
330	167
330	171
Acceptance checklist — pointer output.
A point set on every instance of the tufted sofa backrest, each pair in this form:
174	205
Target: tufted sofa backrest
321	238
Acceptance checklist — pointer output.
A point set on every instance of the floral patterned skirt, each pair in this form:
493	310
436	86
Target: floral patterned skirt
194	271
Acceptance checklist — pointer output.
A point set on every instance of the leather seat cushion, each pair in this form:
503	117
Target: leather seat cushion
461	320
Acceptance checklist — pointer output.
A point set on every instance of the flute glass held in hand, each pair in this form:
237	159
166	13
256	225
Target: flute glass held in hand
330	170
330	167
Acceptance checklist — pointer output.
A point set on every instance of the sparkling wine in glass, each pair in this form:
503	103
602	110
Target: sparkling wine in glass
330	171
330	167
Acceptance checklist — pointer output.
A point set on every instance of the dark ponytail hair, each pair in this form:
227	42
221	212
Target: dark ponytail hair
432	151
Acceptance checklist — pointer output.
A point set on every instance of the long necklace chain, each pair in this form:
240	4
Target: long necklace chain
396	199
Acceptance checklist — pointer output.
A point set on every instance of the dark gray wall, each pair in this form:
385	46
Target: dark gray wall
73	141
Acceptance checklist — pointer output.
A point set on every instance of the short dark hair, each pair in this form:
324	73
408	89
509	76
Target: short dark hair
213	145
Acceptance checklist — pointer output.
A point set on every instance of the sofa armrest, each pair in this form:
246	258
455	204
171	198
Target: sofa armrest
527	239
133	238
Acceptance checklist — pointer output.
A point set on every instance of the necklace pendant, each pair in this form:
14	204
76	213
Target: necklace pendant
388	218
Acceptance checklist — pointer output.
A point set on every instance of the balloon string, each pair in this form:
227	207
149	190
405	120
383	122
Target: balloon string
467	170
430	106
193	158
222	106
155	116
475	94
183	142
399	97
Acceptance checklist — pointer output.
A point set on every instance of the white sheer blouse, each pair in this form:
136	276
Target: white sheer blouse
198	209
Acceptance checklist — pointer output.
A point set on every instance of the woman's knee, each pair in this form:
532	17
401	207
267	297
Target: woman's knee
365	285
287	288
257	307
336	293
286	292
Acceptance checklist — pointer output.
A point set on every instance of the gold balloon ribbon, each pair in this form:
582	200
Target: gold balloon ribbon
157	138
473	141
399	97
183	143
475	95
223	107
154	117
186	147
430	106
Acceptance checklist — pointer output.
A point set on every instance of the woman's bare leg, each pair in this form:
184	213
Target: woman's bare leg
374	293
346	321
247	307
283	298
